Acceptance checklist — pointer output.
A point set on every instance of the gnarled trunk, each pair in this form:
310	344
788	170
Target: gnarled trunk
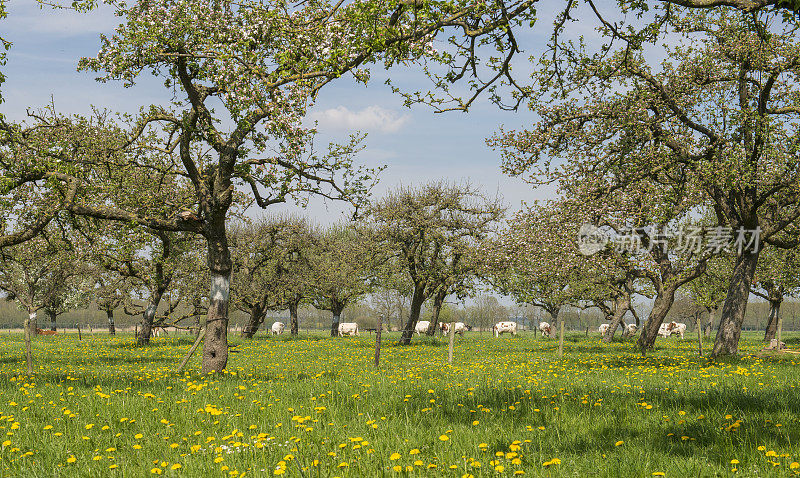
197	315
661	305
112	329
710	324
438	300
413	316
554	318
621	304
730	324
146	328
293	321
772	323
336	310
52	315
255	320
215	345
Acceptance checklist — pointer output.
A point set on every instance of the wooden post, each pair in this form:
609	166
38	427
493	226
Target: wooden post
587	331
452	339
780	330
79	332
699	333
28	357
378	341
561	341
191	350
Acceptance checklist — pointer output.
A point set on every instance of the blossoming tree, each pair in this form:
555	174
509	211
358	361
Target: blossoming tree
719	115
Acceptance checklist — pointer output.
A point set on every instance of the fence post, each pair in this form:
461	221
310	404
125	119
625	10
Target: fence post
699	333
378	341
452	339
561	341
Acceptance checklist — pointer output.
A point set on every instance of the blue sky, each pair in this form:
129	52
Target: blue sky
416	144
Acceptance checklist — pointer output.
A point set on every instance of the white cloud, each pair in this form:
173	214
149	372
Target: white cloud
371	118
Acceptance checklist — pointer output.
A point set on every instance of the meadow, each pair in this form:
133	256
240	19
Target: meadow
316	407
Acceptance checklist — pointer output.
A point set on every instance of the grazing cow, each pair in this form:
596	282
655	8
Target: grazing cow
545	329
422	327
277	328
603	329
672	328
45	332
348	328
504	327
630	329
461	327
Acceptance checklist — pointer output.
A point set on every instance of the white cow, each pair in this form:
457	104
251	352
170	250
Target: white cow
422	327
460	328
504	327
630	329
545	329
672	328
348	328
277	328
603	329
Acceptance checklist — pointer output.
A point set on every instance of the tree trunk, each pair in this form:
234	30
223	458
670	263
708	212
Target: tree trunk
438	300
661	305
197	324
29	322
554	318
710	323
293	321
730	323
52	316
257	315
112	329
413	316
772	323
147	325
336	310
215	344
621	304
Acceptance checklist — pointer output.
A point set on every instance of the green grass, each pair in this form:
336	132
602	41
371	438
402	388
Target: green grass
315	406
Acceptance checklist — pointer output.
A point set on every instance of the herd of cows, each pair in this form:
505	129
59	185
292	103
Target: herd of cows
498	329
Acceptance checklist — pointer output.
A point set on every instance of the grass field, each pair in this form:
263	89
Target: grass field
315	406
